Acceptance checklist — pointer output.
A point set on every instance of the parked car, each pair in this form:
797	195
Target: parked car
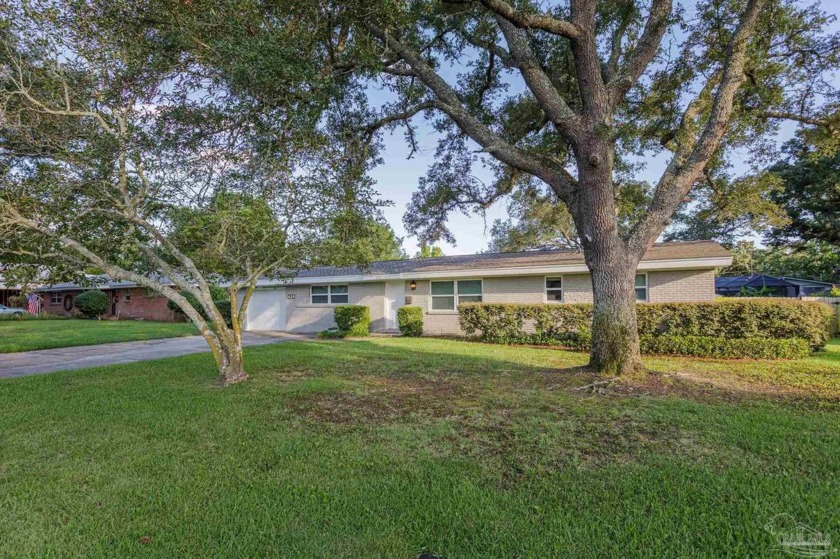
9	311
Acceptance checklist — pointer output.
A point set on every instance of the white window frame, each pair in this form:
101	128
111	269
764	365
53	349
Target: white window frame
561	289
455	294
329	295
56	298
646	287
127	296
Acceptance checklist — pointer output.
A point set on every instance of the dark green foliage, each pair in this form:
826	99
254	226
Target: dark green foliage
92	304
810	196
219	295
330	335
410	320
726	348
224	308
353	320
569	325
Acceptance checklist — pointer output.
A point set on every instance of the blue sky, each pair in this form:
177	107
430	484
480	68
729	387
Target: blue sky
397	178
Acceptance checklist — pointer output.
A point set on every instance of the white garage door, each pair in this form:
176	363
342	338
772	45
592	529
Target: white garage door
267	310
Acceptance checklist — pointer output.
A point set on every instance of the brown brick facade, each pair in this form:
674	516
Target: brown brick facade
135	304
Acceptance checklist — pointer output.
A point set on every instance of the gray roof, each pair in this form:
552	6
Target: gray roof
560	257
687	250
101	281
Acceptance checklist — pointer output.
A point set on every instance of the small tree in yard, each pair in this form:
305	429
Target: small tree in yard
572	98
120	151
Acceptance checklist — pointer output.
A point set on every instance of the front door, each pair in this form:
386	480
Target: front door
394	299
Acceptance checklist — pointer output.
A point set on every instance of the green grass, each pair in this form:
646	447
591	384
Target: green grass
27	335
390	447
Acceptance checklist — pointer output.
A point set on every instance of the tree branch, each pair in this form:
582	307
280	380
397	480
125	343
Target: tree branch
646	49
449	103
533	21
538	82
692	157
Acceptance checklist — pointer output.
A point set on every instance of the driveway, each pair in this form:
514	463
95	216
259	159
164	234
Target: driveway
43	361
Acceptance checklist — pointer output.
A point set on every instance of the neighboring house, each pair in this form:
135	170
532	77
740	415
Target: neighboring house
733	286
668	272
127	299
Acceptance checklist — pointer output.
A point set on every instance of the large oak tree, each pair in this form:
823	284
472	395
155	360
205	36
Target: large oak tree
577	95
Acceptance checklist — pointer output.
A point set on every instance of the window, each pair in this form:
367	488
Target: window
55	298
641	287
127	296
447	295
330	294
554	290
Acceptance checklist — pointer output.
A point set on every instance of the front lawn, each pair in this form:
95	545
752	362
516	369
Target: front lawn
27	335
390	447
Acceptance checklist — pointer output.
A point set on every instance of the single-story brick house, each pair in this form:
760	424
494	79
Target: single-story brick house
127	299
669	272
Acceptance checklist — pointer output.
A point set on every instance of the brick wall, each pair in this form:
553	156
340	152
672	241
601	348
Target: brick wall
141	305
681	286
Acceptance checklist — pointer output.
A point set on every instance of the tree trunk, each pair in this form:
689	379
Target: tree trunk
227	353
615	336
232	365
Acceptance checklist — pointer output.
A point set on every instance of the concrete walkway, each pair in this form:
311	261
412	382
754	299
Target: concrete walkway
66	358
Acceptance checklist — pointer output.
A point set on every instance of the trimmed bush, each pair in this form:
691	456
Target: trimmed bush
754	318
92	304
760	318
726	348
410	320
569	325
353	320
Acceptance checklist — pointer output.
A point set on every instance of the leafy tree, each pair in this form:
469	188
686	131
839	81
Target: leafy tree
811	260
577	95
793	200
727	209
536	221
122	150
809	193
427	251
353	239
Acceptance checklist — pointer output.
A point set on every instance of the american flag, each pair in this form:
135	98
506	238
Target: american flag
33	304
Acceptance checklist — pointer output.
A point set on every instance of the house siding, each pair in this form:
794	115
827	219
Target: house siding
302	316
663	287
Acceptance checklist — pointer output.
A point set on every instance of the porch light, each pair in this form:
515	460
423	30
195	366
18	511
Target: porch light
413	285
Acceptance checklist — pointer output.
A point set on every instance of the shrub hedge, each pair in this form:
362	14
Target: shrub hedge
92	304
727	348
706	329
410	320
353	320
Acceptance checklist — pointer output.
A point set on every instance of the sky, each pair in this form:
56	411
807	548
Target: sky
397	179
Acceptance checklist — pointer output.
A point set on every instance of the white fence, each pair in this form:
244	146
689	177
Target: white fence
835	304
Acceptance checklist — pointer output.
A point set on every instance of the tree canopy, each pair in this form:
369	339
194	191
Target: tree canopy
126	148
576	97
